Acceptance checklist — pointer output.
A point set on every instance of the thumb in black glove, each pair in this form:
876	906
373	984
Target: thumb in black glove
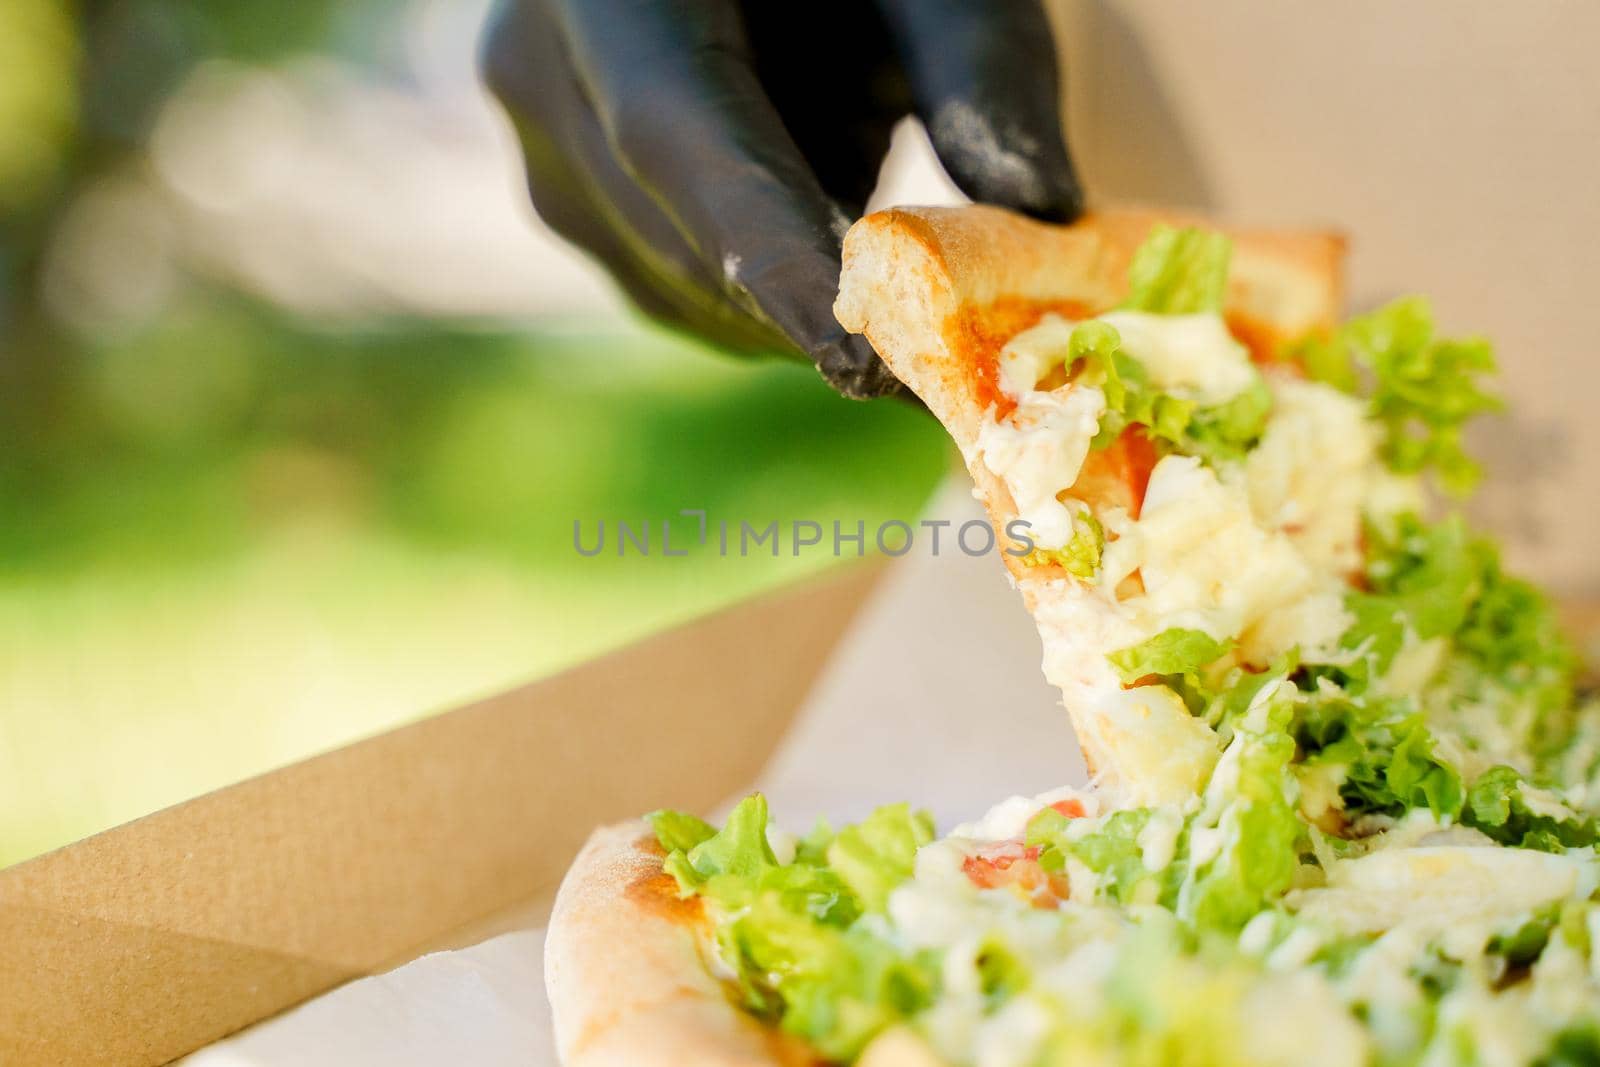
712	153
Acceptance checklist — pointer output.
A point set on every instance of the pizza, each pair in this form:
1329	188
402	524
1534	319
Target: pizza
1344	791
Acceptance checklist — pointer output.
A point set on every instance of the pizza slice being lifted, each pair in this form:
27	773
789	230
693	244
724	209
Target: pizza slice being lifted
1344	795
1105	389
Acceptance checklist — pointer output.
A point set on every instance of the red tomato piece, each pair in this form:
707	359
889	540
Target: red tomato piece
1015	866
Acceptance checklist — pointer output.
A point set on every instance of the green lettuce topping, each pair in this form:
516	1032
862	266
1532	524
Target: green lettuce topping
1215	434
837	988
679	831
1509	653
814	954
1176	657
1095	351
1080	556
1176	651
1518	947
1320	751
1002	973
1111	850
1385	752
1421	582
796	934
1228	431
1496	806
1132	401
1179	272
1168	1006
1252	806
1422	389
879	852
739	850
1496	646
1240	688
1576	1046
1175	272
1501	647
1250	819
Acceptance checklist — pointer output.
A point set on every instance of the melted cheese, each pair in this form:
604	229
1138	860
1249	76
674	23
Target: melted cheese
1153	750
1161	752
1309	474
1461	890
1314	623
1206	565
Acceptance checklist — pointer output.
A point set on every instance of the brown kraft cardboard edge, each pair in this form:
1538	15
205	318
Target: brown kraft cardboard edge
152	939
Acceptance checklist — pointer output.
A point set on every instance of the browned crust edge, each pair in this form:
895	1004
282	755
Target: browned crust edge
627	971
630	979
928	286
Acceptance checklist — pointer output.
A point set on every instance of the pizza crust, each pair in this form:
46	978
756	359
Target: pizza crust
927	286
631	983
629	980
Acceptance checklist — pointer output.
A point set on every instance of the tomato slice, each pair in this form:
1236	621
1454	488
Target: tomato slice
1004	863
995	860
1119	474
1015	866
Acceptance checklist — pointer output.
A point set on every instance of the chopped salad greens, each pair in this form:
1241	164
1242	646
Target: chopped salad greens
1390	856
1425	388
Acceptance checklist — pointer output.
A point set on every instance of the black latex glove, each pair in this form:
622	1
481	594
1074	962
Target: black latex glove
711	153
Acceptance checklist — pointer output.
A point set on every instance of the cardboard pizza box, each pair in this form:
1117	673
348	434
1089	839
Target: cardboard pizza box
149	940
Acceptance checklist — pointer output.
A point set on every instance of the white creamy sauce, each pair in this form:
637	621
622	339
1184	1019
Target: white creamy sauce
1191	356
1008	819
1496	1024
1037	452
1011	1037
1033	353
1158	841
1297	950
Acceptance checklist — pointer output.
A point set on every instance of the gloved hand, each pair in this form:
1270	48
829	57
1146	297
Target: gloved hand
711	153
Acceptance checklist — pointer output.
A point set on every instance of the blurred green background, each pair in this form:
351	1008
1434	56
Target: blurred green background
298	406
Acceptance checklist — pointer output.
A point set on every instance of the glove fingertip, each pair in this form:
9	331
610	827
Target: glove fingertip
849	364
994	160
